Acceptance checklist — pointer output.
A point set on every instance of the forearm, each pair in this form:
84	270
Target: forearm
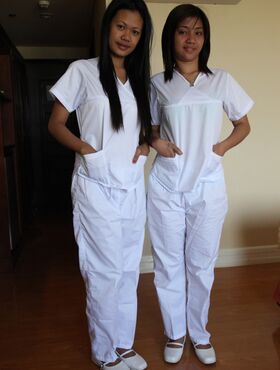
155	136
240	131
164	147
65	137
57	128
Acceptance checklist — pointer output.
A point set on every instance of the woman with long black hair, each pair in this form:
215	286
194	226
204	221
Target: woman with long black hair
187	200
110	95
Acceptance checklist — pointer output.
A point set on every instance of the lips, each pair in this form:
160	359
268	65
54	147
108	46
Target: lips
123	47
189	49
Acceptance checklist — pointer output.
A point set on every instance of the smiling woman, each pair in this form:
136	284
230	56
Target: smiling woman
125	33
110	95
187	199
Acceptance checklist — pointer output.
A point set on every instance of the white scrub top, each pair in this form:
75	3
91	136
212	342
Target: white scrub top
191	117
80	89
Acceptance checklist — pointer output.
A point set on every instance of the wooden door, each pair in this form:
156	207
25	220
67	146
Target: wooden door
51	164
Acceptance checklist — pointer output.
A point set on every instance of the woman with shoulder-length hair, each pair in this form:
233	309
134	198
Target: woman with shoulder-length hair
110	95
187	200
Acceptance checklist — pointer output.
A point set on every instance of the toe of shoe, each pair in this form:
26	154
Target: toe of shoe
172	355
136	362
206	356
120	366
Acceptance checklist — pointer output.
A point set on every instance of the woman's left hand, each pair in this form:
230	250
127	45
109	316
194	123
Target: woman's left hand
241	128
143	149
218	149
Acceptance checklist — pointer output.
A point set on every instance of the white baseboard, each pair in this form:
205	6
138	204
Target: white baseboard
147	264
233	257
248	256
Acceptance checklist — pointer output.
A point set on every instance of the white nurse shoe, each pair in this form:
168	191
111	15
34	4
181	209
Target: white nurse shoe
103	365
175	353
206	355
134	362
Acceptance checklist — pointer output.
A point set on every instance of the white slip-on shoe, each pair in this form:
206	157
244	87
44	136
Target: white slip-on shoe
206	355
103	365
135	362
173	354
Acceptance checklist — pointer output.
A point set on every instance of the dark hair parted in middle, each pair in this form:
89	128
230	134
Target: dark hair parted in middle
137	66
177	15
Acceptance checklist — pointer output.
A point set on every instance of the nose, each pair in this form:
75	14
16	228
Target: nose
126	36
190	37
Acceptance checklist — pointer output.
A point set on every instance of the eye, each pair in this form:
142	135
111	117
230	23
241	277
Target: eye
136	32
120	27
199	33
182	31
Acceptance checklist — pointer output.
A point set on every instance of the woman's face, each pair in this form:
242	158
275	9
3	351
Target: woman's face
188	40
125	32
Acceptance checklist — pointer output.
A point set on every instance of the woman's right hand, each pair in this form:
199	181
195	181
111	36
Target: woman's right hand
57	128
86	149
165	148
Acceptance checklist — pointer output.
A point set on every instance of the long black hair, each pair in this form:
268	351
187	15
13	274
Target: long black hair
177	15
137	66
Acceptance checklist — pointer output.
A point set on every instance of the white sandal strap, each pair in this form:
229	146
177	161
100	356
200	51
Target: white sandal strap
197	344
101	364
121	355
177	344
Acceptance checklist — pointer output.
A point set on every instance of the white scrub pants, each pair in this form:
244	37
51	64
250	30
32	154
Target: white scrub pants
109	230
185	230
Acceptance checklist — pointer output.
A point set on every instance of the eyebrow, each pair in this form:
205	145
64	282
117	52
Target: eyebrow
127	25
187	27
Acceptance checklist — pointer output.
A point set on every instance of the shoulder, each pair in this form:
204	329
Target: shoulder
84	65
221	77
158	78
218	73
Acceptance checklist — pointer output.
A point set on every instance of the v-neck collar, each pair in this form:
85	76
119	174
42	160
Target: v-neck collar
122	83
194	83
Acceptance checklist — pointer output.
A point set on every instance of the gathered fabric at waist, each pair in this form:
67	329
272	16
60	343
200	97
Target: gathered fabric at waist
110	172
184	174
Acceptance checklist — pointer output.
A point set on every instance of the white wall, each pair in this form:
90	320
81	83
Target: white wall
245	41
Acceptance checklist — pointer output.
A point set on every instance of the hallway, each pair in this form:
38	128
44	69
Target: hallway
43	325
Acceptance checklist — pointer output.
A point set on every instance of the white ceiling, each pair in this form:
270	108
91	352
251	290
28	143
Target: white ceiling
70	25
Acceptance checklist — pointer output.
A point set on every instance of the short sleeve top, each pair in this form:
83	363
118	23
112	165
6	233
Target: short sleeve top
191	116
80	90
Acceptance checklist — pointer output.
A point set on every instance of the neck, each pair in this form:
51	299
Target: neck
118	62
120	71
186	67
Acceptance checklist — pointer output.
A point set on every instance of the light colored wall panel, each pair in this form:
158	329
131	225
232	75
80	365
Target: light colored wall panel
245	41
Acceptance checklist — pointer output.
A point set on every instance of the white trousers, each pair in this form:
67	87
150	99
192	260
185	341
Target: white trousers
109	230
185	230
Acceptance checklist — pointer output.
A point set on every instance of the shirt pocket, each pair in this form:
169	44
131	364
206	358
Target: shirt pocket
94	167
213	168
166	170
